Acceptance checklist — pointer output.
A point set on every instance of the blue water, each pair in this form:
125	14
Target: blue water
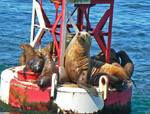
131	32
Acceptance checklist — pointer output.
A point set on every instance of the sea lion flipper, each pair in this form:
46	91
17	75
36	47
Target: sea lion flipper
89	88
43	81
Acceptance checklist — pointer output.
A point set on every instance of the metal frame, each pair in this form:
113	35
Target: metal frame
83	9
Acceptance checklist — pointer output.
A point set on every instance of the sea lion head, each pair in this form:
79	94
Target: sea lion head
113	57
83	44
35	64
84	39
38	63
28	49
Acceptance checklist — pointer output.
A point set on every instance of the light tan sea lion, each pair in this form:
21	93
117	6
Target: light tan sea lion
44	79
80	68
77	62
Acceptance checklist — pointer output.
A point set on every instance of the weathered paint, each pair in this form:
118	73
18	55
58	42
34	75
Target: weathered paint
6	77
119	98
117	102
75	99
27	76
28	96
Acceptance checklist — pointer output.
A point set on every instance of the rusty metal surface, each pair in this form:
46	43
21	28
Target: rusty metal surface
29	97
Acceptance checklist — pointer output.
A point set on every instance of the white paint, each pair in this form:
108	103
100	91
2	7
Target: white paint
78	100
54	84
103	87
37	10
6	77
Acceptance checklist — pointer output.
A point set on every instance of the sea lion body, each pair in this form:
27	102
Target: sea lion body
49	69
74	63
77	62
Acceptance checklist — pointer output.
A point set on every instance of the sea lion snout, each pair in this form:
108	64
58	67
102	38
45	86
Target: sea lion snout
84	37
38	64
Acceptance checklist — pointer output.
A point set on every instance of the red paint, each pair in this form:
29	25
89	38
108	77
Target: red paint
119	98
27	76
23	95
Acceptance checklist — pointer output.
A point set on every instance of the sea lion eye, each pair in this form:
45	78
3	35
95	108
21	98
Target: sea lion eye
87	35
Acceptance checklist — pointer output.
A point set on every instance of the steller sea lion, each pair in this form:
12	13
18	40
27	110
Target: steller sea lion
80	68
113	56
77	62
29	51
31	60
49	68
126	62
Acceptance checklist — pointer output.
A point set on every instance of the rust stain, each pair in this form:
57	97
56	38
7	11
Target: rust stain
21	101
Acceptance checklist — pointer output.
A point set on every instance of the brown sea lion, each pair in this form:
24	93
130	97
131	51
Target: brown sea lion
28	49
31	60
49	68
77	62
80	68
126	62
113	57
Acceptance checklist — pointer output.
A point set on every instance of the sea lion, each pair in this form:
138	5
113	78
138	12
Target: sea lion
29	49
49	68
77	62
31	60
126	62
80	68
113	56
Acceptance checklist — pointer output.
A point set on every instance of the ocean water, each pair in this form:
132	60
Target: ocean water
130	32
